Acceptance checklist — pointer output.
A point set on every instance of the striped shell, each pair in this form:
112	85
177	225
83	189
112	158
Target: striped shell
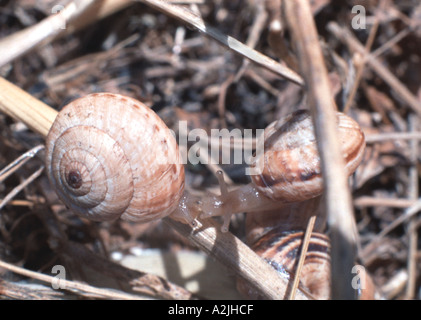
110	156
290	163
282	251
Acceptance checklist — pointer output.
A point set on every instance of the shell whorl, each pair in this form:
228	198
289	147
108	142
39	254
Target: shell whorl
109	156
291	164
282	251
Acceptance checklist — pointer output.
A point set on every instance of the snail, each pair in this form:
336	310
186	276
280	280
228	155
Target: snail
281	249
290	167
277	236
110	156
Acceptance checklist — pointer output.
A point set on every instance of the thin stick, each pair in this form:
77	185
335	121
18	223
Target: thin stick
386	136
224	247
346	37
390	43
395	284
409	212
71	285
361	65
304	248
20	187
187	16
343	230
23	41
412	225
77	14
366	201
19	162
237	257
15	165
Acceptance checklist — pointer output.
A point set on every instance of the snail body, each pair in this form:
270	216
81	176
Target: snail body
289	168
110	156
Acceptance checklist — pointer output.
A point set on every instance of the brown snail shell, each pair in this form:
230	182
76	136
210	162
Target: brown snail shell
291	164
110	156
282	251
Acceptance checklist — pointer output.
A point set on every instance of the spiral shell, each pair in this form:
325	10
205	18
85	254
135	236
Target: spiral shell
282	251
291	163
110	156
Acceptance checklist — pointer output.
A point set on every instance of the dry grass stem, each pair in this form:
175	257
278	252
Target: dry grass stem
197	22
355	46
21	42
81	288
302	258
342	228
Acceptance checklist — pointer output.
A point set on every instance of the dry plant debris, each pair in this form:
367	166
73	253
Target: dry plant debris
183	74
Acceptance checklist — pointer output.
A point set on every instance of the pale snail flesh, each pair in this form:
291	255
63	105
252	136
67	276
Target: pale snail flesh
110	156
288	170
291	164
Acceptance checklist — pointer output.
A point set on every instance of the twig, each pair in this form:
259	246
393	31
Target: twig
412	225
28	291
23	41
354	45
71	285
390	43
395	284
237	257
366	201
140	282
386	136
19	162
259	23
20	187
197	22
360	66
303	254
15	165
343	230
75	16
409	212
